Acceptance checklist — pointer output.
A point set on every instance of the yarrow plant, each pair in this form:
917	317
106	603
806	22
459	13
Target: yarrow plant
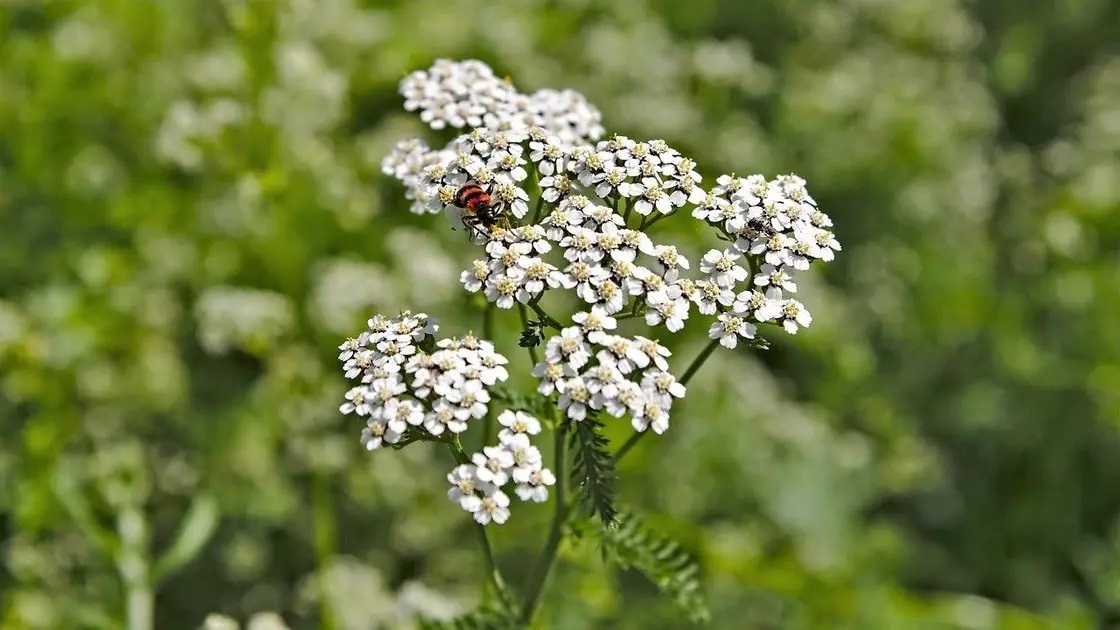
577	212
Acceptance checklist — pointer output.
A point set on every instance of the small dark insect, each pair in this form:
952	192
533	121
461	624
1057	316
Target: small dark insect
479	209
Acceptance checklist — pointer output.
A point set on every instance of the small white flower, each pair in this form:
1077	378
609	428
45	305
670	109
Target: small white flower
559	221
709	296
349	348
463	486
774	248
494	507
474	278
399	413
771	276
441	417
621	353
356	402
594	324
721	267
493	465
524	454
517	422
555	187
729	328
575	399
471	398
532	485
514	197
750	303
382	390
501	289
650	414
825	246
656	352
581	245
791	314
670	260
535	236
569	348
602	382
552	376
537	277
505	256
667	307
659	383
378	433
548	154
583	277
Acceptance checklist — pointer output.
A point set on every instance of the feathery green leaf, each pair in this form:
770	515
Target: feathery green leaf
593	468
633	545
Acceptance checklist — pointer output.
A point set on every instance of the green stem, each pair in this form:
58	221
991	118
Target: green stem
629	207
539	208
688	374
556	532
134	567
322	515
545	317
656	219
493	573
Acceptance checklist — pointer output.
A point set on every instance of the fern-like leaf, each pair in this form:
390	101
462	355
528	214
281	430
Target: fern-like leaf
593	468
633	545
490	616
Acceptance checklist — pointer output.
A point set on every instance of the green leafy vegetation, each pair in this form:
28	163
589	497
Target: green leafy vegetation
192	213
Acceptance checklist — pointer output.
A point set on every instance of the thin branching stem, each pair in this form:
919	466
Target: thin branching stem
688	374
494	574
545	317
556	531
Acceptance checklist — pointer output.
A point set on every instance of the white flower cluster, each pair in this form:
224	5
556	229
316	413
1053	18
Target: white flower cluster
410	382
468	94
778	222
477	487
773	229
593	370
567	211
458	94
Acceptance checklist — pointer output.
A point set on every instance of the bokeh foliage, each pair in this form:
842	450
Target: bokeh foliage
192	216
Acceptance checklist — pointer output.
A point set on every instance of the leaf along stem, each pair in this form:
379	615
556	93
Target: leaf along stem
533	356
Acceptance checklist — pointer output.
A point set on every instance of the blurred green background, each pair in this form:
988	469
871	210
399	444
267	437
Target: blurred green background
192	217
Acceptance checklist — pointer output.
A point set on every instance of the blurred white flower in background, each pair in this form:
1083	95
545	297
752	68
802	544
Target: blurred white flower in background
245	319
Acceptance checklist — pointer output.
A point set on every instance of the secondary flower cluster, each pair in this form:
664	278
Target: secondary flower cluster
477	487
410	382
468	94
593	370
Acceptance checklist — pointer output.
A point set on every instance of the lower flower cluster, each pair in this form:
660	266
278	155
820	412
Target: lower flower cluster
477	486
413	387
412	384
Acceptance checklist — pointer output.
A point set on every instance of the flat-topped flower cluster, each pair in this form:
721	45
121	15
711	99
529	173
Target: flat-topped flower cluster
577	213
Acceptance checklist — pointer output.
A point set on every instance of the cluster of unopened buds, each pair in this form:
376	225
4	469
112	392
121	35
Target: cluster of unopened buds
557	209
